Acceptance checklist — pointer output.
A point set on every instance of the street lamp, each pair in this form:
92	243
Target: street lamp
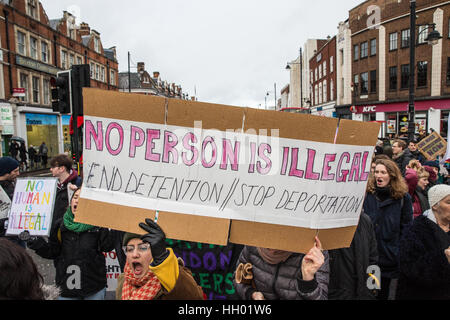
288	67
432	39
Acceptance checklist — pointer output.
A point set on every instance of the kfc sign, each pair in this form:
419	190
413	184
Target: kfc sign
369	109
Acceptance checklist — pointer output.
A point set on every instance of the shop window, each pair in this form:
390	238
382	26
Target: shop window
422	72
391	124
364	83
373	81
355	52
364	50
33	48
405	38
393	78
369	117
373	47
404	82
36	81
21	43
393	41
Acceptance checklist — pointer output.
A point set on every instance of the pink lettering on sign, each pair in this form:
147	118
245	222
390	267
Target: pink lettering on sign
251	167
342	174
295	172
310	174
212	162
118	127
151	135
230	154
170	142
354	170
97	136
326	175
136	142
261	154
189	137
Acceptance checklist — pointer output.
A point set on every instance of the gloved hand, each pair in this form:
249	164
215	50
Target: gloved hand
157	240
35	243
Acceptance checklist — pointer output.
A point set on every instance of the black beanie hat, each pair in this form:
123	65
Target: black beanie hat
128	236
7	164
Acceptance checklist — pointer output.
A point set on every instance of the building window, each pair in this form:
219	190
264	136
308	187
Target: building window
71	60
33	48
331	64
423	33
355	84
325	68
422	72
320	93
97	44
331	90
325	96
373	47
373	81
102	74
393	41
46	91
21	43
64	60
36	81
355	52
404	81
92	68
405	38
79	60
320	71
24	85
393	78
316	94
32	8
448	71
315	74
364	83
44	51
364	50
97	72
112	79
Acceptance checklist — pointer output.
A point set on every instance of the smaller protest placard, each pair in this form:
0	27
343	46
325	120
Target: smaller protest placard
32	206
432	146
112	270
5	204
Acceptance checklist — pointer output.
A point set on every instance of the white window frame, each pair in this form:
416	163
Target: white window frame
34	50
19	44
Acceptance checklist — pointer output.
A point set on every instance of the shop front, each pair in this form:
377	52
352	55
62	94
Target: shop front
6	127
429	114
324	111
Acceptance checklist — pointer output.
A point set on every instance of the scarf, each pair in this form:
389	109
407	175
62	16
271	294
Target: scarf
383	193
273	256
72	225
145	288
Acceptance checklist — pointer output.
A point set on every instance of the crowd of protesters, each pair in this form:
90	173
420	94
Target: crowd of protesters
403	230
35	157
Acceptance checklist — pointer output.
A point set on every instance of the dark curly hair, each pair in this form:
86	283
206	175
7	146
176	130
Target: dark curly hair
19	276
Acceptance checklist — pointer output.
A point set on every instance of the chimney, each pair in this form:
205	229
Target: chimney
140	67
156	74
85	30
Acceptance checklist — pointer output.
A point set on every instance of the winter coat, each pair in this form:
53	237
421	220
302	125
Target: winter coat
402	160
348	266
419	196
389	218
77	253
424	268
284	280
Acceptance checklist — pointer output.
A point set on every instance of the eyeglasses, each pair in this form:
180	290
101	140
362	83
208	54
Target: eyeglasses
142	248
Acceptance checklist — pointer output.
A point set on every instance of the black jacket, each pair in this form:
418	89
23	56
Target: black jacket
389	218
77	254
403	160
349	266
424	268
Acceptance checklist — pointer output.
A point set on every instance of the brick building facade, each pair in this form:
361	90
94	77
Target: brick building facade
34	48
380	64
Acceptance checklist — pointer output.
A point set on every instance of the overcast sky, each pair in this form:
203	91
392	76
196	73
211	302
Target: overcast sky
230	52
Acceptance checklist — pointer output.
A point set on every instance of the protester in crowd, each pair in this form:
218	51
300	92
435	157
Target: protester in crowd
32	155
424	251
349	266
422	135
152	270
374	160
416	154
61	168
19	276
43	153
77	249
417	179
13	149
285	275
23	157
9	171
389	206
401	155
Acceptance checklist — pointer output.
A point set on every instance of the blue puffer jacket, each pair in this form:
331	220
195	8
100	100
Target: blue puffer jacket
389	218
282	281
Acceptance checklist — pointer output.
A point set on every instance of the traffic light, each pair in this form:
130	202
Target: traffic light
62	92
81	77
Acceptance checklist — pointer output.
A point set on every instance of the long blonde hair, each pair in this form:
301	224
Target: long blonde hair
397	183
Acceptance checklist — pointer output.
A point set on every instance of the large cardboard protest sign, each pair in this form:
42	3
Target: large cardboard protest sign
216	173
432	146
32	206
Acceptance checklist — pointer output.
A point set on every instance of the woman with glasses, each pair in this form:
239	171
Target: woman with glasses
152	271
77	250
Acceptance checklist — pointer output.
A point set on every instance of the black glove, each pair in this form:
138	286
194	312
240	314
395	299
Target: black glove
35	243
157	240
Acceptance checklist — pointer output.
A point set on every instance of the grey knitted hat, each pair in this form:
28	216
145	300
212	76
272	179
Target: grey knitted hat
437	193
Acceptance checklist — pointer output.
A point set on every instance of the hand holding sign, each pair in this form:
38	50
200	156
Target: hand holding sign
312	261
156	238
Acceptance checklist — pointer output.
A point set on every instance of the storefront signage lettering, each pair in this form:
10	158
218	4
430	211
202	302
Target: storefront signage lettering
35	65
369	109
